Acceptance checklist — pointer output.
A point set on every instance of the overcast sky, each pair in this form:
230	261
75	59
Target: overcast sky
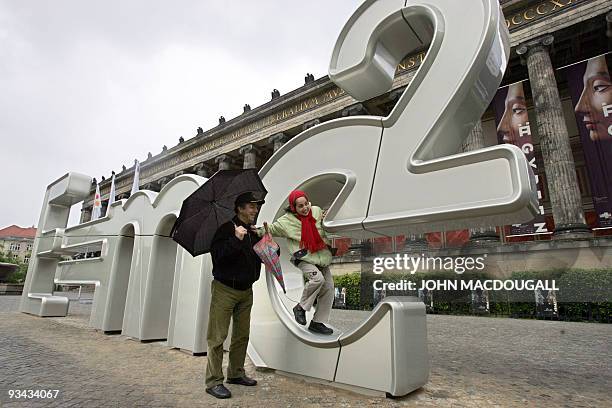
88	86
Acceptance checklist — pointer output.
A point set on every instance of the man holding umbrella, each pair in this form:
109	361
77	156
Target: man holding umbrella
218	218
235	268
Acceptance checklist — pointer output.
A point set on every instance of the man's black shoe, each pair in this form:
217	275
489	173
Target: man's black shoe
219	391
319	328
244	380
300	314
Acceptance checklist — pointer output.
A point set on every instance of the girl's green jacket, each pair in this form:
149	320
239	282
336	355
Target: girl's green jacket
290	227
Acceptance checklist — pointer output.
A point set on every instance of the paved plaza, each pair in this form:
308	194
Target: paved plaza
475	361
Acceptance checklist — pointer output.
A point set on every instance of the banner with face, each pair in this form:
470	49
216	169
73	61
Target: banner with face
591	90
513	127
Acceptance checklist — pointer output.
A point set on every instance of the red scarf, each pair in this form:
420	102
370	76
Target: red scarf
311	239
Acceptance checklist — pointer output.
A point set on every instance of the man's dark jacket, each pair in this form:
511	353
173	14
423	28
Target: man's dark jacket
235	264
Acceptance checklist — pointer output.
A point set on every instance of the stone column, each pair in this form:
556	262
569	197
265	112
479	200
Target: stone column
250	152
201	170
278	140
224	161
554	140
310	124
163	181
153	186
395	95
475	141
357	109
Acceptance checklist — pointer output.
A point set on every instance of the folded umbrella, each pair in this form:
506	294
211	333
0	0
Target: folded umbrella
267	250
211	206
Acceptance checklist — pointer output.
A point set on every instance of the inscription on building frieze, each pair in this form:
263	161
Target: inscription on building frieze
293	110
539	11
411	62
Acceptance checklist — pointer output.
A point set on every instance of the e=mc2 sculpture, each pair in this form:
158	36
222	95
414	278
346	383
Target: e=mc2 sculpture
401	174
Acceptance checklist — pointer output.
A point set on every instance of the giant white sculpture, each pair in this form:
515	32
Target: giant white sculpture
379	176
147	287
388	175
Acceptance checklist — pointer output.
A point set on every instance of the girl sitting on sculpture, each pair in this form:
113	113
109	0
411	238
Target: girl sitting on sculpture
308	244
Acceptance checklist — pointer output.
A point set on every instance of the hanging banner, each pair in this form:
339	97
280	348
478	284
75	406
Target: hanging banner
591	90
513	126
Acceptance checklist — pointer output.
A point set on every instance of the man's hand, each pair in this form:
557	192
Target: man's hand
240	232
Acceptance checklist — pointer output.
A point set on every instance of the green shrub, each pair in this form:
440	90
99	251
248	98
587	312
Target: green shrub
584	295
19	275
16	277
585	285
351	282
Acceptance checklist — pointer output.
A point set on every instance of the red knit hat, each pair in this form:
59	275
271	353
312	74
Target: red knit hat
294	195
310	237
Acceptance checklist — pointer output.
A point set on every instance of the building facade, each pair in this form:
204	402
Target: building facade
17	242
549	40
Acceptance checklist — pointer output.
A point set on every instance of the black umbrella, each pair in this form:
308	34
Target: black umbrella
212	205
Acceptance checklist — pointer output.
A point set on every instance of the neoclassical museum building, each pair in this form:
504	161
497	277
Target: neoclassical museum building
555	103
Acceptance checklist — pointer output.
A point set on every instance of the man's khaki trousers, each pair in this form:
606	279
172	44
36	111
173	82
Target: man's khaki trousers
226	303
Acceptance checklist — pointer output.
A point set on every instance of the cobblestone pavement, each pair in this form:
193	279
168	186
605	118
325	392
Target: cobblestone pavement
475	361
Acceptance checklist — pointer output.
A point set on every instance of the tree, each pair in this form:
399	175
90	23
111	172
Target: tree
19	275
